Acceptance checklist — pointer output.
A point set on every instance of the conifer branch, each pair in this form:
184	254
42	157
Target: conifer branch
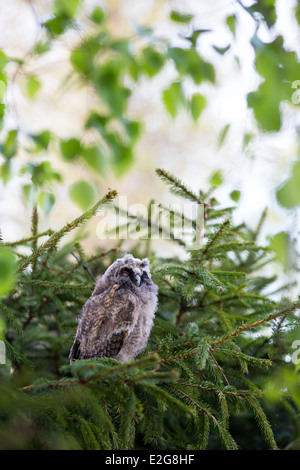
177	186
34	231
227	439
262	420
55	285
248	326
55	238
217	234
220	368
26	240
143	362
11	318
102	403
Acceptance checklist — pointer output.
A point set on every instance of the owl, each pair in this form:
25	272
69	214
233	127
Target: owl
117	319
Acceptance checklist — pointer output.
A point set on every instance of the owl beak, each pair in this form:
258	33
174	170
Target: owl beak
138	280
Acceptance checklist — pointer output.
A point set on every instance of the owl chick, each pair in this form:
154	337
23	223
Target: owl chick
117	319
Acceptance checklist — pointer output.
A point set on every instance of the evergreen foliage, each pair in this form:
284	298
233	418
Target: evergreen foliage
199	384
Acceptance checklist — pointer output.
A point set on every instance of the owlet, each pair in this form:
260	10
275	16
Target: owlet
117	319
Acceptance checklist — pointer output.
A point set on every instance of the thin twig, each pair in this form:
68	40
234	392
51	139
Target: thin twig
84	266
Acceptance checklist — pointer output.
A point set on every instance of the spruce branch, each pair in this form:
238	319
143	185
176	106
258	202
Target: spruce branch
219	367
34	232
217	234
25	241
262	420
11	317
178	187
55	285
111	371
226	437
248	326
56	237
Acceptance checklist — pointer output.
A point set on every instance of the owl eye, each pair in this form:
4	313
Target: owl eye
144	277
129	272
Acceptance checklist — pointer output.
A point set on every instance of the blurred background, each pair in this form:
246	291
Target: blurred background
97	94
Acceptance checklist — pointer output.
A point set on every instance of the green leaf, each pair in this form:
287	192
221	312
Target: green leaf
46	201
42	140
297	13
82	58
152	61
198	104
231	23
41	173
122	158
28	192
267	10
279	68
288	195
266	107
235	195
93	156
195	34
216	179
223	134
5	171
7	270
133	129
2	89
3	60
2	112
98	15
222	50
82	194
70	148
180	17
281	245
247	139
10	145
188	62
57	25
66	7
32	86
42	47
109	86
173	98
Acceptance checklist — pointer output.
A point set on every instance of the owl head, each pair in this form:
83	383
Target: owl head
130	269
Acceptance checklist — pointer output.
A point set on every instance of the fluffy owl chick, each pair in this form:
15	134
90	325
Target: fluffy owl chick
117	319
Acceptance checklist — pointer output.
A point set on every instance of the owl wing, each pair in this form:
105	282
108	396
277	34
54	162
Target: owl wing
104	324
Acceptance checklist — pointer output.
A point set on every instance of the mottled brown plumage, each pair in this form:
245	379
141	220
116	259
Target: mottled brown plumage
117	319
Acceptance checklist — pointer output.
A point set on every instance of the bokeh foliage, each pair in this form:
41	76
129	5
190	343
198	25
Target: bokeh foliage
112	67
